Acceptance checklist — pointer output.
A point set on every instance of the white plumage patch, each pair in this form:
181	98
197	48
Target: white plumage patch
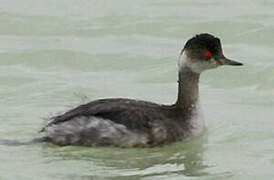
92	131
197	66
197	121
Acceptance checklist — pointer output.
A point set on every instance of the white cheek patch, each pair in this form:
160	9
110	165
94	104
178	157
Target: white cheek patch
198	66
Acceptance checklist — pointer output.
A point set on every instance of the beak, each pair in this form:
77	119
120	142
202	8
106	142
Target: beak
225	61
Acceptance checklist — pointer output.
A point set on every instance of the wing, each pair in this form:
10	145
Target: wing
131	113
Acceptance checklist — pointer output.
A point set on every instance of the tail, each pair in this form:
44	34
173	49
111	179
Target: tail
7	142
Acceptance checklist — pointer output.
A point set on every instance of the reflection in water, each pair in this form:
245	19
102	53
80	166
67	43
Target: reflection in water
185	158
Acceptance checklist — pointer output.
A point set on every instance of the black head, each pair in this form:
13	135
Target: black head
204	51
204	42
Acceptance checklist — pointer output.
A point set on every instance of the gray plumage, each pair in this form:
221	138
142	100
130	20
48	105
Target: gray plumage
131	123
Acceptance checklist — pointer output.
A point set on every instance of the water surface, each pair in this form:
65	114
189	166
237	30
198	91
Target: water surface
55	55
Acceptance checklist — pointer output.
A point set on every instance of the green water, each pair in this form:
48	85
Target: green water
55	55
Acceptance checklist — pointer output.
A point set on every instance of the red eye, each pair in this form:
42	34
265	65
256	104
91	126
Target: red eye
208	54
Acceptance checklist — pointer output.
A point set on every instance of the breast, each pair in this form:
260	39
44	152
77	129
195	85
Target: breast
196	123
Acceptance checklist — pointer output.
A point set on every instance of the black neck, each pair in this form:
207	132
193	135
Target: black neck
188	91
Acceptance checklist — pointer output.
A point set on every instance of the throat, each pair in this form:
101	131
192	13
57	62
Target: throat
188	92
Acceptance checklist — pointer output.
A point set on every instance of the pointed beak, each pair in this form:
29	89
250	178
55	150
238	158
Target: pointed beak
225	61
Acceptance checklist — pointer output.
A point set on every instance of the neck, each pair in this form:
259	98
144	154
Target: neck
188	92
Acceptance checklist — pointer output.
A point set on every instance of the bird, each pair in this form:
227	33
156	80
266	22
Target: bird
123	122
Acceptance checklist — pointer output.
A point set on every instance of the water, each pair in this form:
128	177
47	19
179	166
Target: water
57	54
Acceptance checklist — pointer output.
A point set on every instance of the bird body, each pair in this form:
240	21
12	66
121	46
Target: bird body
119	122
136	123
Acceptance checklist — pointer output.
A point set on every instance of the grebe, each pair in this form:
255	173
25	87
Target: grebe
134	123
